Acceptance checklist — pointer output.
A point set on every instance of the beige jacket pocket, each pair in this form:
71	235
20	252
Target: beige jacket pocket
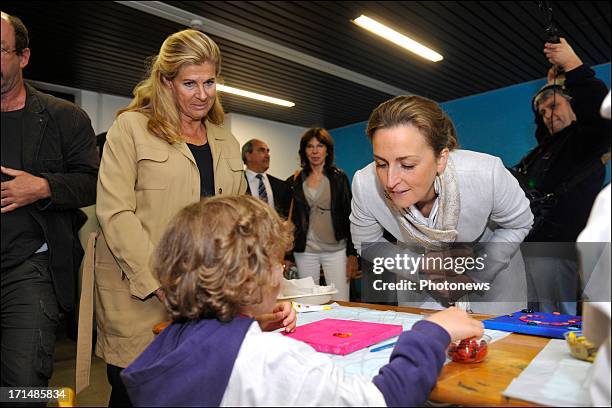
113	297
152	171
112	312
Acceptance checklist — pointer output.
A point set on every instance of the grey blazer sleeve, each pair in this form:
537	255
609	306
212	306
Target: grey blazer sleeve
511	210
364	225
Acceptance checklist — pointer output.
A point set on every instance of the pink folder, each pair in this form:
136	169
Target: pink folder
342	337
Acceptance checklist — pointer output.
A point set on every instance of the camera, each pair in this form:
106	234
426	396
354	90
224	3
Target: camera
552	35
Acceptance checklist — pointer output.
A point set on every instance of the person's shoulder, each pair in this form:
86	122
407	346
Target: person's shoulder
470	155
52	104
366	185
468	160
336	171
273	179
294	176
580	72
132	117
132	125
132	122
367	172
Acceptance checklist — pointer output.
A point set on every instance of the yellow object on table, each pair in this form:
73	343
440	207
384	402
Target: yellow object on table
580	347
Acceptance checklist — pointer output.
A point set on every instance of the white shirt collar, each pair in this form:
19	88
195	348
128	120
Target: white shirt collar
251	175
431	220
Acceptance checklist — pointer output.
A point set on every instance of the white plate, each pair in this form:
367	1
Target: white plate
311	299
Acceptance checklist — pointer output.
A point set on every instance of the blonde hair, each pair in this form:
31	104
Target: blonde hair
153	98
217	256
423	113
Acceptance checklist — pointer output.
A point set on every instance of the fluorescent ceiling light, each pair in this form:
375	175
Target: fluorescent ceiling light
397	38
253	95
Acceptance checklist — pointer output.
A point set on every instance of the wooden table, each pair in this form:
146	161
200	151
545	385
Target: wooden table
480	384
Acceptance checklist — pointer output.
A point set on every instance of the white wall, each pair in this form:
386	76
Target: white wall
283	140
102	108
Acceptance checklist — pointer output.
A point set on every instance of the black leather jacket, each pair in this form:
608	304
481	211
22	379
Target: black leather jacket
340	208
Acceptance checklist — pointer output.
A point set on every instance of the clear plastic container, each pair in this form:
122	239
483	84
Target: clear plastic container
469	351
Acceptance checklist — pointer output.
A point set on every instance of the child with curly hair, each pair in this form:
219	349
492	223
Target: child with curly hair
220	263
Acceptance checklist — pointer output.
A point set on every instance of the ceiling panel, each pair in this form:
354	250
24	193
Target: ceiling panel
103	46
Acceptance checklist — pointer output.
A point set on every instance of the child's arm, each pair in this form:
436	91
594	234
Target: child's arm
280	371
275	370
283	315
419	356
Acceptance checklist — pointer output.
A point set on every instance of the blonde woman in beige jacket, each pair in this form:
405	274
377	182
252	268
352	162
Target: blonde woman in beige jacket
166	150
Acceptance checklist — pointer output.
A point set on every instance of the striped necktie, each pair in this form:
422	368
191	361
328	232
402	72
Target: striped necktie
262	188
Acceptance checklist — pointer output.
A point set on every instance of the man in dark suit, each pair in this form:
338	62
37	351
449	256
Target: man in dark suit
256	156
49	170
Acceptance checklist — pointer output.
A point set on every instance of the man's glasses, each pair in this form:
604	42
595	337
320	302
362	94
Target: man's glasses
6	51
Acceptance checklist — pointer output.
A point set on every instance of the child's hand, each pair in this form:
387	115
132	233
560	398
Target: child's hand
283	315
457	323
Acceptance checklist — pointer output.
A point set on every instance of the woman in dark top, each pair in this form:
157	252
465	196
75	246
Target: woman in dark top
321	205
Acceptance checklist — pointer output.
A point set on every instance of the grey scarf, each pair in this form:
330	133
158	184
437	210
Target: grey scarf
444	232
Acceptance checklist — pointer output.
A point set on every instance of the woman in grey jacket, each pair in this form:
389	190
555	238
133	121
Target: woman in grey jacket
432	199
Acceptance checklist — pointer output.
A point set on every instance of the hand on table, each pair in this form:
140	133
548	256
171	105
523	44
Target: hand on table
432	272
283	315
287	264
457	323
352	268
161	294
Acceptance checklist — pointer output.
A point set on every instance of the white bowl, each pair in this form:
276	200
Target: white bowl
310	298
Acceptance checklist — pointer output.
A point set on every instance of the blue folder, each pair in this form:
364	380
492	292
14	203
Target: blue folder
512	323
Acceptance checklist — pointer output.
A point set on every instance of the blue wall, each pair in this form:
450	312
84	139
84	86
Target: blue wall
497	122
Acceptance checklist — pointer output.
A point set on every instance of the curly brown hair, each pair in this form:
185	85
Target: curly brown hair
217	256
